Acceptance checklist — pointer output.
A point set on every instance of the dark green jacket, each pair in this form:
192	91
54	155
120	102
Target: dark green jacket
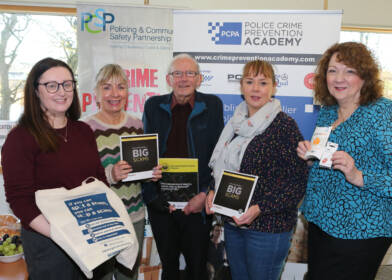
204	126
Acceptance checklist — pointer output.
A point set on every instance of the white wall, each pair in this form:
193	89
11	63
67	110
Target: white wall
256	4
4	209
363	13
357	13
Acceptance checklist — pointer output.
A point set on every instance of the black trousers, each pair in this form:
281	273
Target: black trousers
178	233
343	259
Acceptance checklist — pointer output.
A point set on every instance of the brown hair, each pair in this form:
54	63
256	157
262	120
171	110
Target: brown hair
354	55
34	118
256	67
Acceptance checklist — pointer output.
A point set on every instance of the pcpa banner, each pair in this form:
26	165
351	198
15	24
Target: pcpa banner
293	41
138	39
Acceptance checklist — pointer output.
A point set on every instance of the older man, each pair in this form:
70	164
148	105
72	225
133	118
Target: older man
189	124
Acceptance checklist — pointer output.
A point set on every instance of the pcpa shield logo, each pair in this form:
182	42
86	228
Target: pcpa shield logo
225	33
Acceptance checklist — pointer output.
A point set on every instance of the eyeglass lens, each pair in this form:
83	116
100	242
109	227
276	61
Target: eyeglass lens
179	74
53	87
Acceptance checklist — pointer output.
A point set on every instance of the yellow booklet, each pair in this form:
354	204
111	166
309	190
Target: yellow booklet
180	180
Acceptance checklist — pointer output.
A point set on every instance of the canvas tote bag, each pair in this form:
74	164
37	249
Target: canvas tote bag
90	223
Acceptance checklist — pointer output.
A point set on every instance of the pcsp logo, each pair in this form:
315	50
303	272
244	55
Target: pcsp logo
101	20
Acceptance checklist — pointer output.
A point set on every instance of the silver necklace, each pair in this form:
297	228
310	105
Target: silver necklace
65	138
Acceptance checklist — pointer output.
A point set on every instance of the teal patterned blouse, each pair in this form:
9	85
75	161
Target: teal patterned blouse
339	208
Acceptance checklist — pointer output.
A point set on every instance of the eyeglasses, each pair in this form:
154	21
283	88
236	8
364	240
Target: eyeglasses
53	87
178	74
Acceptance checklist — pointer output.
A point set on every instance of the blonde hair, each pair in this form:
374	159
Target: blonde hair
106	73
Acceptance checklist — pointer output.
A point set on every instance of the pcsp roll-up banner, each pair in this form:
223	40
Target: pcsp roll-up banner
138	39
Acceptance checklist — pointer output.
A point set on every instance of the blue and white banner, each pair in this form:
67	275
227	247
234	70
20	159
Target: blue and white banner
138	39
293	41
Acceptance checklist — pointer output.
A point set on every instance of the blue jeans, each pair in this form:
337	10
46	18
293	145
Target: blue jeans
255	255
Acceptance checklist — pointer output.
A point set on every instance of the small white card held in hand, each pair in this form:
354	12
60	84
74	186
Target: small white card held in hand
318	142
178	205
325	160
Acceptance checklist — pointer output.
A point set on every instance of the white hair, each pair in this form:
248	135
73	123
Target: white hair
182	56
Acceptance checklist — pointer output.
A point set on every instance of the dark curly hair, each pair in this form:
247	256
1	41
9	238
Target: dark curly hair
354	55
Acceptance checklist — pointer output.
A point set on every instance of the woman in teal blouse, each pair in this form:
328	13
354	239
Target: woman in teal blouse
349	207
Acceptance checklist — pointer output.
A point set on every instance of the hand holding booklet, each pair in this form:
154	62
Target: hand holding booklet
234	193
179	181
141	152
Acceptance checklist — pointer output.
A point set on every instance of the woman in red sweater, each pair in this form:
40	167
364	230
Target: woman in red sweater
49	148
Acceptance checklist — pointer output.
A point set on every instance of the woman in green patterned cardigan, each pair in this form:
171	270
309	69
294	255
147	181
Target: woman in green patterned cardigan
108	125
